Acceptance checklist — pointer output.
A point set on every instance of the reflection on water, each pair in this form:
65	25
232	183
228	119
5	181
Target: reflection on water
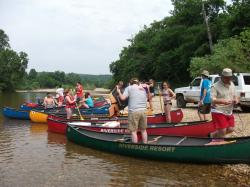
38	128
122	170
31	156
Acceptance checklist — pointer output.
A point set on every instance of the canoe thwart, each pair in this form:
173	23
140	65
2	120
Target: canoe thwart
179	142
154	139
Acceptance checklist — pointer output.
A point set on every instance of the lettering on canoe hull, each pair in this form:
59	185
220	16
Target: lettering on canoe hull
120	131
147	147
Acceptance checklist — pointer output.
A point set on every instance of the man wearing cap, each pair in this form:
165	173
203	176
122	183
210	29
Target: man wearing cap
137	106
205	98
223	100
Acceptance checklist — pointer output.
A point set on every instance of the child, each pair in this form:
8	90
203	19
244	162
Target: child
49	102
79	91
88	101
70	103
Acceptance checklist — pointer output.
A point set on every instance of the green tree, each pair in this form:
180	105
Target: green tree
32	74
232	52
12	64
72	78
164	49
4	40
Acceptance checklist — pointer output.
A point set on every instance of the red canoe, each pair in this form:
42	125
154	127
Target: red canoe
176	116
197	128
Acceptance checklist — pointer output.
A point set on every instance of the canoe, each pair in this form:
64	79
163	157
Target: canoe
196	128
15	114
177	116
167	148
35	106
41	117
38	116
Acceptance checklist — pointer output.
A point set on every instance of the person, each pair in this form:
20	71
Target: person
223	100
167	95
121	86
137	106
79	91
204	105
120	104
146	88
60	96
49	102
70	102
87	102
152	93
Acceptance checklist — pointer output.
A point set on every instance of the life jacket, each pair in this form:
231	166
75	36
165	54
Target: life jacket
70	105
79	91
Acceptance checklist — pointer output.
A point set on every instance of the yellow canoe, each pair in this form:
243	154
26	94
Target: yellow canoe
38	117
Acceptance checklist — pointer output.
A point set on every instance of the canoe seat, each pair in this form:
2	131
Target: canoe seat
179	142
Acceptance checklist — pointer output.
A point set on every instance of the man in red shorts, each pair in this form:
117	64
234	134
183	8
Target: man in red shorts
223	100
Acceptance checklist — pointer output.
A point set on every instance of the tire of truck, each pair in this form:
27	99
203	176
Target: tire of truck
245	108
180	101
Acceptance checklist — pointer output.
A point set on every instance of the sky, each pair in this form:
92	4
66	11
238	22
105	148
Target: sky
79	36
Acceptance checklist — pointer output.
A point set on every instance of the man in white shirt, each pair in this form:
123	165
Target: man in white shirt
223	100
137	106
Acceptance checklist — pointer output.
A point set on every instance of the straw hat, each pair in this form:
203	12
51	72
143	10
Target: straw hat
205	73
227	72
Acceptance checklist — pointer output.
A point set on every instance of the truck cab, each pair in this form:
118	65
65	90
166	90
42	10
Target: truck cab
191	93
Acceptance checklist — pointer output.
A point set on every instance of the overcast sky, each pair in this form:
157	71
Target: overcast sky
80	36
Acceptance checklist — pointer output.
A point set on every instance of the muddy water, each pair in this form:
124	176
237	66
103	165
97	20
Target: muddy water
31	156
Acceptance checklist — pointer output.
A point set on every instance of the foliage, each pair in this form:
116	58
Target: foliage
12	64
163	50
34	80
32	74
232	52
176	47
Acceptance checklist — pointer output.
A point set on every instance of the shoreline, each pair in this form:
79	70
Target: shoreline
53	90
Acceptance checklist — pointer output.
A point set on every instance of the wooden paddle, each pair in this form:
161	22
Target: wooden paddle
81	118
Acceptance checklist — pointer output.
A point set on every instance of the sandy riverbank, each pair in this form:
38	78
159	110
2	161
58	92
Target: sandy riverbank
242	119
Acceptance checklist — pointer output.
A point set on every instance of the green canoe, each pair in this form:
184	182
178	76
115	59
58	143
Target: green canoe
167	148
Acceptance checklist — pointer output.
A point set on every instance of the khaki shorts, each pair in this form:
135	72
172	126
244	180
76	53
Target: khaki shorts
137	120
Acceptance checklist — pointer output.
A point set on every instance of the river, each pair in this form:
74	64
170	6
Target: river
31	156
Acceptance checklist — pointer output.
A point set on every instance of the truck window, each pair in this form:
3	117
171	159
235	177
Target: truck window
235	80
246	79
196	82
216	79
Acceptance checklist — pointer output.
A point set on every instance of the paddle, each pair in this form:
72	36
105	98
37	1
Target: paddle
160	98
154	139
81	118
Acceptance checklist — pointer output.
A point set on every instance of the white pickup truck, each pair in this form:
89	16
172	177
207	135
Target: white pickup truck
191	94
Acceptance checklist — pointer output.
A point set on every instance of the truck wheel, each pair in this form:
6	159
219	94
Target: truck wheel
245	108
181	103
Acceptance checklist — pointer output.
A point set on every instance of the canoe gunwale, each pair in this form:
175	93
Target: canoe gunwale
239	140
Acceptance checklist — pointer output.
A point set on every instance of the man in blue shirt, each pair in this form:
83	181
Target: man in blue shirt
204	106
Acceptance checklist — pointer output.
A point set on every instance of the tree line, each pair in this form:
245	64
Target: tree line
177	47
35	80
13	73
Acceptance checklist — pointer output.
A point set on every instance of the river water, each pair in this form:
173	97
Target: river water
31	156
